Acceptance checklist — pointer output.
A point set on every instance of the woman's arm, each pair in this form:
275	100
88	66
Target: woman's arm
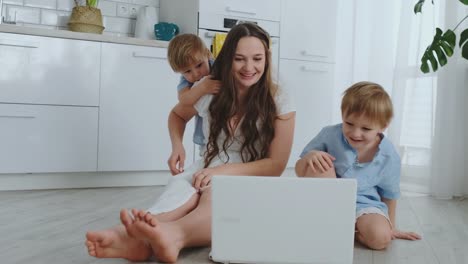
278	156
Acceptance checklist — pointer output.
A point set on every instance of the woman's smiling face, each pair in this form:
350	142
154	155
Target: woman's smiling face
248	65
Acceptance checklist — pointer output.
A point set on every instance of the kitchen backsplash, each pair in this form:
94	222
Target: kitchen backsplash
119	16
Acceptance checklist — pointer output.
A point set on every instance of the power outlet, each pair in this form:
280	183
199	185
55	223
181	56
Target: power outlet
123	10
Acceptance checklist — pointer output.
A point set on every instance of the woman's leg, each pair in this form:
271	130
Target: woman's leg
374	231
168	238
177	200
116	242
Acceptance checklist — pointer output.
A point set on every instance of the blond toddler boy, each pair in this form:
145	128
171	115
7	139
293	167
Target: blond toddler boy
357	148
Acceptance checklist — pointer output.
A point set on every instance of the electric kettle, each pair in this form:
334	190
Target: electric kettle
147	17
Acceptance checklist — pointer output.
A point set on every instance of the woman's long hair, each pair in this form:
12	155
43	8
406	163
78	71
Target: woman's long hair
258	109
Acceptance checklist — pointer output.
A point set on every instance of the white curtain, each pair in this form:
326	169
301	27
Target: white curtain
385	46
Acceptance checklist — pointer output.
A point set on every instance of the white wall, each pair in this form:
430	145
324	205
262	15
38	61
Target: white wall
118	15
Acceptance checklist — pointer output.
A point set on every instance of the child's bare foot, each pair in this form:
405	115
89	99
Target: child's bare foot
166	240
115	243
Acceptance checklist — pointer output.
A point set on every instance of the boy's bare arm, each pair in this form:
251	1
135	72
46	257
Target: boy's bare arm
397	234
391	204
189	96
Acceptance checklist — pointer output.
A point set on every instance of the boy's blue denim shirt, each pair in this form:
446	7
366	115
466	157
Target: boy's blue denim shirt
377	179
198	137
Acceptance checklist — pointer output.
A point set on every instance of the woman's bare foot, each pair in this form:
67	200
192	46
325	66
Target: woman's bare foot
115	243
165	239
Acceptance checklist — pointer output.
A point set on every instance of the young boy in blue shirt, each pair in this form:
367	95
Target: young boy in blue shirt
188	55
358	149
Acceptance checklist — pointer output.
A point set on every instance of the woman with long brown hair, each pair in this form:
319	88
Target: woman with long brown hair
249	131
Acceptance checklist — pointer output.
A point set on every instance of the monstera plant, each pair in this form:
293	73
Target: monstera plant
443	44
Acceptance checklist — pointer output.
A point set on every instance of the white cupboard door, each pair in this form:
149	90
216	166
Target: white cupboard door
258	9
138	90
41	70
308	29
310	84
41	138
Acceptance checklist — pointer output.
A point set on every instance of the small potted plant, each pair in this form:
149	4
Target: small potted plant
86	18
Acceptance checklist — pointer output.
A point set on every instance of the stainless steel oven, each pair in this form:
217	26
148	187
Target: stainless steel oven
206	17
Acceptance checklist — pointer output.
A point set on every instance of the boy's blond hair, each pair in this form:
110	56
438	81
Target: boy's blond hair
186	49
369	99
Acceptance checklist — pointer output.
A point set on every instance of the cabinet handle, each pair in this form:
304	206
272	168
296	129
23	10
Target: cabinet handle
308	69
12	43
148	56
17	116
305	53
230	9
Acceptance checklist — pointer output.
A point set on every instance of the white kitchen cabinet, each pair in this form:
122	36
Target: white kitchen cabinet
138	90
310	84
42	138
44	70
308	29
307	57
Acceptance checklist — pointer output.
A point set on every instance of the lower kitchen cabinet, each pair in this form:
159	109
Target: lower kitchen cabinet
41	138
310	84
138	90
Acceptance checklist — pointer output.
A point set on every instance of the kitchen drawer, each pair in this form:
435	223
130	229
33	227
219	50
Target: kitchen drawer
40	138
259	9
42	70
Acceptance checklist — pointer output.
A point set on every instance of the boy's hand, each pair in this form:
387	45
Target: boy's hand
397	234
176	160
319	161
208	85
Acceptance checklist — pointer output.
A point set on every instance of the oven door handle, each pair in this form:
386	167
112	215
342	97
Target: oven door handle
249	12
210	34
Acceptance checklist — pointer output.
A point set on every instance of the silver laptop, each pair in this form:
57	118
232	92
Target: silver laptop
282	220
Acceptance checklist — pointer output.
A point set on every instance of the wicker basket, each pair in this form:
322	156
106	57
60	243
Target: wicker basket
86	19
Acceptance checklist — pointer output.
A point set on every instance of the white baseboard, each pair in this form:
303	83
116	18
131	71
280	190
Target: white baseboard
38	181
81	180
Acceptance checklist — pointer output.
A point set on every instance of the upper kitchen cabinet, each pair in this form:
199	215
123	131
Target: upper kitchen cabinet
308	29
137	93
43	70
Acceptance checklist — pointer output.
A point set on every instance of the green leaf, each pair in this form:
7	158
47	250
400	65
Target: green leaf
463	36
418	6
436	53
425	67
464	43
450	37
464	2
441	56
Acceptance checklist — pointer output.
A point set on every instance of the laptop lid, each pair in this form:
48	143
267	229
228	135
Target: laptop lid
282	220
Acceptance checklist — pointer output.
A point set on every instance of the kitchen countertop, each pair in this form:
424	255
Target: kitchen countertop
5	28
